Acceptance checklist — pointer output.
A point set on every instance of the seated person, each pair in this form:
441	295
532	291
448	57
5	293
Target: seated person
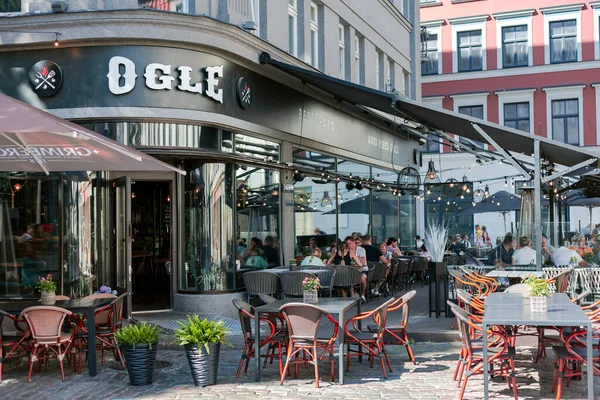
525	254
256	261
392	246
270	252
314	258
27	235
456	246
374	253
501	255
563	255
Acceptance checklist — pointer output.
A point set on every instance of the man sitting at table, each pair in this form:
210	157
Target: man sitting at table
525	254
563	255
373	253
502	254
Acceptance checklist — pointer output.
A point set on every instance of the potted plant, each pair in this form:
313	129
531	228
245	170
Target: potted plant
293	265
310	290
538	293
138	344
48	289
202	341
435	241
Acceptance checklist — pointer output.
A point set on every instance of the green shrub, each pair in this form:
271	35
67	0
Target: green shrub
201	332
138	334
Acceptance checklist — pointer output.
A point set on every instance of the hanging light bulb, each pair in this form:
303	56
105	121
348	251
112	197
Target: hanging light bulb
439	198
326	200
486	192
505	182
17	186
56	39
168	198
462	196
132	195
428	190
432	175
473	203
468	190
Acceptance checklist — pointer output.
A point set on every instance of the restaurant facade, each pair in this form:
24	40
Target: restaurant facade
264	155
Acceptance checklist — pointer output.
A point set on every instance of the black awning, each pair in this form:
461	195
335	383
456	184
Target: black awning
509	139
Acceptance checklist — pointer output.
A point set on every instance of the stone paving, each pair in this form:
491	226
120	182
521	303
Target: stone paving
431	378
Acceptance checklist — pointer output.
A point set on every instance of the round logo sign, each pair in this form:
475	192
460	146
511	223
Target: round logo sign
45	78
244	93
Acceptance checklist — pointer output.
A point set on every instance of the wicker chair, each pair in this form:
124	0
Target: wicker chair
327	278
291	282
13	346
45	324
347	277
303	323
404	272
261	282
377	275
420	268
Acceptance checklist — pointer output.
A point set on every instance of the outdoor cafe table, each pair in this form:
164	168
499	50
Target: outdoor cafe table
87	306
316	272
331	305
513	309
513	274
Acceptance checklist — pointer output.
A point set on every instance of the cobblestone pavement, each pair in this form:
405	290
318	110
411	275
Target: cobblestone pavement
431	378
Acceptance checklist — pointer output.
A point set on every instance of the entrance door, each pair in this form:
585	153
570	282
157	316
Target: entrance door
123	238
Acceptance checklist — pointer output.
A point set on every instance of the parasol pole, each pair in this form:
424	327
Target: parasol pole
590	208
504	216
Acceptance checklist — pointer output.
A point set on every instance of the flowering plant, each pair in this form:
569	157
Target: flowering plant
105	289
311	284
573	260
46	284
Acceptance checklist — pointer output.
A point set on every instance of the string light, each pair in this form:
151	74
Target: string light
57	34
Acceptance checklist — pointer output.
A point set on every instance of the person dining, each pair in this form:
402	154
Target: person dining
547	249
375	253
392	246
525	254
501	255
563	255
314	258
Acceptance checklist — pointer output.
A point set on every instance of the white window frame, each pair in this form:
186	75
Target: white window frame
555	17
564	93
378	55
406	82
436	30
516	96
435	101
596	13
469	100
596	87
357	58
506	23
314	31
342	50
470	26
293	12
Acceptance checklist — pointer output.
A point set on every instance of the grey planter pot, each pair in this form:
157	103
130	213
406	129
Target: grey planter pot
139	360
204	366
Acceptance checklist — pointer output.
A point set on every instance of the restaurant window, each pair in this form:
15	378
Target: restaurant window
10	6
314	203
293	27
257	216
256	147
385	206
432	145
354	203
515	48
430	67
208	261
408	221
516	115
470	52
563	41
565	121
314	35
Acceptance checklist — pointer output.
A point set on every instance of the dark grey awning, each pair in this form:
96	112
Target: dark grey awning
509	139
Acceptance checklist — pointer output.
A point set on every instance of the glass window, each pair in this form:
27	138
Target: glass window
430	67
470	52
342	50
408	220
293	28
516	115
357	41
563	41
255	147
378	66
257	206
385	207
354	205
10	6
475	112
432	145
207	247
565	121
314	36
515	49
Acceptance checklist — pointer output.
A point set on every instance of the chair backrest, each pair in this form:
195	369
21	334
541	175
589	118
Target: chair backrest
327	278
346	276
261	282
45	322
380	316
282	267
102	316
266	298
302	320
246	314
518	288
562	281
61	297
377	273
291	282
403	303
420	264
579	299
403	265
116	311
463	330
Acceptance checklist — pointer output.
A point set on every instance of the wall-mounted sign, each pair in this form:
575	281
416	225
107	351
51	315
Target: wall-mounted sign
45	78
244	93
288	188
158	77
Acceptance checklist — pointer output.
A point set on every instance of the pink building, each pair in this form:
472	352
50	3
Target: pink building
532	65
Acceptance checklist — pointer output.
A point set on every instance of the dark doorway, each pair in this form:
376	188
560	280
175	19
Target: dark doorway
151	247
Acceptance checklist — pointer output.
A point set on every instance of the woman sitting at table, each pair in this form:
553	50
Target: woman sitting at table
342	256
314	258
256	260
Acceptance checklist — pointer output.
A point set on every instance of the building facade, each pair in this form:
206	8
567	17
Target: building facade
527	65
265	155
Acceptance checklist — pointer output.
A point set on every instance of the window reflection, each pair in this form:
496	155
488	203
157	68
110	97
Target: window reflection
354	210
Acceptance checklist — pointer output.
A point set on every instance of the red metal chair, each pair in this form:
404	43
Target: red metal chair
45	324
303	322
368	343
13	346
274	338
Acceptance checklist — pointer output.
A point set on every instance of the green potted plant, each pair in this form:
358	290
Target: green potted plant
293	265
47	287
538	293
202	341
310	290
138	344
